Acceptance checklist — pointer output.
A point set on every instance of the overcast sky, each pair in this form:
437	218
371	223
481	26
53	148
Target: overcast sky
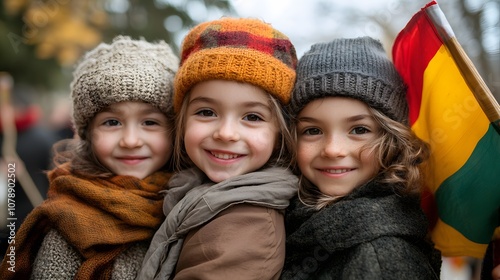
306	23
310	21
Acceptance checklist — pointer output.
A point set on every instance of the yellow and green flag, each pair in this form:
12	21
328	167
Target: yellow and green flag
452	109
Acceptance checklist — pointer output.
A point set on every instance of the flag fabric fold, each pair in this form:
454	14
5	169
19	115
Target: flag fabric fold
452	109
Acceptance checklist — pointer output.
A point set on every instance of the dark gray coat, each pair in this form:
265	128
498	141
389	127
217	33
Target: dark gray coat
370	234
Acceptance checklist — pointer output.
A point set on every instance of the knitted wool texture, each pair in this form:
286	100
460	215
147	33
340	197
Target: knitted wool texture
57	259
126	70
244	50
356	68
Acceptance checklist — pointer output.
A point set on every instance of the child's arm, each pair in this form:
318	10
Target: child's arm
242	242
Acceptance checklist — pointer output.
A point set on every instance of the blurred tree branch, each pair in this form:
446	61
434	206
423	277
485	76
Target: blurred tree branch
468	19
44	38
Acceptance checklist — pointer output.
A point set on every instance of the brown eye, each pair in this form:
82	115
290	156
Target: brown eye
252	118
360	130
312	131
149	123
111	123
205	113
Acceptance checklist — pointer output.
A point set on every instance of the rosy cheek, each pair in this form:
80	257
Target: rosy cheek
303	156
368	157
304	150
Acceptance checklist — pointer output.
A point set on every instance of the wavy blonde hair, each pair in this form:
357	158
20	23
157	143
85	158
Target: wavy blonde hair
399	151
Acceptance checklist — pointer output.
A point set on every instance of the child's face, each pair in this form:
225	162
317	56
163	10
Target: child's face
230	129
331	133
131	138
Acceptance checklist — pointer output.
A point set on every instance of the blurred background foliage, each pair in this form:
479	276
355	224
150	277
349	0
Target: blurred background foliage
41	40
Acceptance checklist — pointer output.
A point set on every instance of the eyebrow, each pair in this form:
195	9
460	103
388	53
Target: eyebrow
359	117
201	99
349	119
146	110
249	104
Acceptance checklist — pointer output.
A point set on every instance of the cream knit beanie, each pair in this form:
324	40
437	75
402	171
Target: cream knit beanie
126	70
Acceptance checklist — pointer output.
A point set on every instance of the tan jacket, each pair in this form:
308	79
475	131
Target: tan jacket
193	202
242	242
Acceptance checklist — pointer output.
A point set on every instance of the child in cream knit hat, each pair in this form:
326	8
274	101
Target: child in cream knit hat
104	202
357	215
224	212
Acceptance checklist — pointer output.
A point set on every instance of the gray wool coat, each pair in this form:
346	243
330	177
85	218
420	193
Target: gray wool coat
370	234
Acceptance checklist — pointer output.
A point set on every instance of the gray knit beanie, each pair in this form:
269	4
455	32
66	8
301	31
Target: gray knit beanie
356	68
126	70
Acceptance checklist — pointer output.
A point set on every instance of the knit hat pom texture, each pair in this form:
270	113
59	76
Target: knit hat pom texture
125	70
354	67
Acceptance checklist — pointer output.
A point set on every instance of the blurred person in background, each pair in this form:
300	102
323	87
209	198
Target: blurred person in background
59	119
490	269
34	142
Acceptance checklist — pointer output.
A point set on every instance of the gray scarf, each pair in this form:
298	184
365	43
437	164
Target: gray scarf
191	202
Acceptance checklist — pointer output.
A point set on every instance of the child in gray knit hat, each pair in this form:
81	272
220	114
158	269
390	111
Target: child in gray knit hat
357	214
104	202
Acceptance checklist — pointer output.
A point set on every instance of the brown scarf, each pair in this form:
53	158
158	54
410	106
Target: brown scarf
100	218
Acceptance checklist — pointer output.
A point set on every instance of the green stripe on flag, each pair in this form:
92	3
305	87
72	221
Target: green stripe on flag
469	199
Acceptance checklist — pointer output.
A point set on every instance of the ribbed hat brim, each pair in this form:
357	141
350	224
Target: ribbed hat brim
370	90
242	65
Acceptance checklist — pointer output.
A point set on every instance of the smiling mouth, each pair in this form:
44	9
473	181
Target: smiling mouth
336	171
132	160
224	156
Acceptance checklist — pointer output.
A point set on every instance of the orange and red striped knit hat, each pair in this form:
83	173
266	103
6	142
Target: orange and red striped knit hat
239	49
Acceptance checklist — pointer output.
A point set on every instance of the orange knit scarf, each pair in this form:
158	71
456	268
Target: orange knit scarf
100	218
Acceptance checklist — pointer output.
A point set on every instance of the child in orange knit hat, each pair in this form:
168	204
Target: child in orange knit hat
225	208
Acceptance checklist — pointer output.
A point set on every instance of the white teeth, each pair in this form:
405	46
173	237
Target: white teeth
337	171
225	156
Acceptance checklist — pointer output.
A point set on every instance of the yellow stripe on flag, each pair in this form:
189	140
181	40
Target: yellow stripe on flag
451	120
452	242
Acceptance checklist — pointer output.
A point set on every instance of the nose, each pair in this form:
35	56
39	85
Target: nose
334	147
131	137
227	131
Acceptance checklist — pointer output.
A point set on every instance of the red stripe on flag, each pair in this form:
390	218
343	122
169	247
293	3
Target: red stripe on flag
412	51
413	47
